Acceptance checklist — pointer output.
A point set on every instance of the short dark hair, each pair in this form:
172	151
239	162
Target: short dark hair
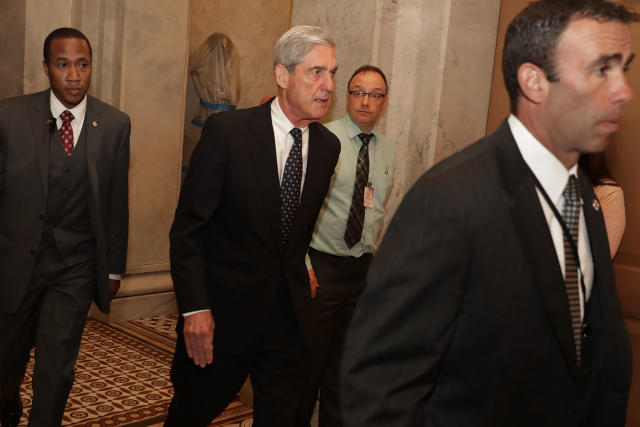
369	68
63	33
533	35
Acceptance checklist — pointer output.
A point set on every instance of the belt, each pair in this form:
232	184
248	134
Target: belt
340	257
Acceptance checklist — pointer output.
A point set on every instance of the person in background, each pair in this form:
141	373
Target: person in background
346	235
64	163
610	195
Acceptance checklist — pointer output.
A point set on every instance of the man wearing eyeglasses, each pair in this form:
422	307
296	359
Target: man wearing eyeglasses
346	234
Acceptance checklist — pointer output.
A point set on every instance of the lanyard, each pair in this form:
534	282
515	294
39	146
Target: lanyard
566	232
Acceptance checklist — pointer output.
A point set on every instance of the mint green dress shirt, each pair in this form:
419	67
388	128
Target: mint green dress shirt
332	220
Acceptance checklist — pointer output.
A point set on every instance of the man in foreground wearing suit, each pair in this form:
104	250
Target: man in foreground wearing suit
247	209
64	162
477	311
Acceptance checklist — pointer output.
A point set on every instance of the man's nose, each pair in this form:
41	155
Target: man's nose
622	93
329	84
74	73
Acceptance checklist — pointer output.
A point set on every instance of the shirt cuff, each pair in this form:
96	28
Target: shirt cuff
307	261
115	276
193	312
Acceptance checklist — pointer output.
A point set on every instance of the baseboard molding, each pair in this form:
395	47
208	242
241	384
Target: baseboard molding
137	307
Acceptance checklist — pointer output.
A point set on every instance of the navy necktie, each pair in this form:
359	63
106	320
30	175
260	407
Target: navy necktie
290	186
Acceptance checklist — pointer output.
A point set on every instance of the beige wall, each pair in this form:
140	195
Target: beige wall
622	159
254	27
12	29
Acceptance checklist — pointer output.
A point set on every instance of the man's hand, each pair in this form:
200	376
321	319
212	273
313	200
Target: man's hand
114	286
198	337
313	282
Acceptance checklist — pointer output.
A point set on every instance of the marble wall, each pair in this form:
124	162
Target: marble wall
12	29
438	56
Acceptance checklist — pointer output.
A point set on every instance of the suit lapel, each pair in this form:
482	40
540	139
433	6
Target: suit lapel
262	151
536	240
310	190
92	134
42	120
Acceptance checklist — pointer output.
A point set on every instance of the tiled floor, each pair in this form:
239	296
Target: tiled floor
122	377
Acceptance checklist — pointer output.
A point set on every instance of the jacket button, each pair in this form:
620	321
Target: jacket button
586	331
41	217
32	252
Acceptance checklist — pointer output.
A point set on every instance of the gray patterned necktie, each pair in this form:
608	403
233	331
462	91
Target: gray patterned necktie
571	217
290	186
355	221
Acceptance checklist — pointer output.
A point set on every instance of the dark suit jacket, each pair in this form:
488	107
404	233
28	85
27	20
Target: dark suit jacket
226	253
24	171
465	320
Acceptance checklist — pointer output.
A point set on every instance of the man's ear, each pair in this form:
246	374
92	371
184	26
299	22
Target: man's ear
45	67
282	76
533	82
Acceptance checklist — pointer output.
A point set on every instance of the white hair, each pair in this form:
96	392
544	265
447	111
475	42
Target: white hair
294	45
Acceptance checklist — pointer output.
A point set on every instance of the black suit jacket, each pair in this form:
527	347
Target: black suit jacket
226	253
24	170
465	320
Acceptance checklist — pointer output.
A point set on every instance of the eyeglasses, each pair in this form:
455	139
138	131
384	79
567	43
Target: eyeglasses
373	96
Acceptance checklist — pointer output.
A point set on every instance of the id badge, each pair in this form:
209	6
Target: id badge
368	196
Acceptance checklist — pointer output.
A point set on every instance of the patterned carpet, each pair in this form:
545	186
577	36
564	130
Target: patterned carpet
122	377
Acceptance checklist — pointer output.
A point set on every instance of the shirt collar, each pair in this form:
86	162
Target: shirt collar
551	173
57	108
353	130
280	121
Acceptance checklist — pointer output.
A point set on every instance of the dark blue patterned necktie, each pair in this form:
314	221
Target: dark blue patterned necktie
571	217
355	221
290	186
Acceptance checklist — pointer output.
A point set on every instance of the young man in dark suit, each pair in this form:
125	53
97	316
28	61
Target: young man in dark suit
64	162
492	301
244	220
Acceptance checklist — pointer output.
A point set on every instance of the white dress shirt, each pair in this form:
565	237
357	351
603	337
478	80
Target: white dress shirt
553	177
79	111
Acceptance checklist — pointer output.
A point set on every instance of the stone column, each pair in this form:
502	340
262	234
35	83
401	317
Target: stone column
12	28
438	56
139	66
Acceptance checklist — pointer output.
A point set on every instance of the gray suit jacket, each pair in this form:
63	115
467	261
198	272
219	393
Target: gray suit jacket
465	320
24	170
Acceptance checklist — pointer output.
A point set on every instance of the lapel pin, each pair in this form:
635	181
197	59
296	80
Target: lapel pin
596	205
94	124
